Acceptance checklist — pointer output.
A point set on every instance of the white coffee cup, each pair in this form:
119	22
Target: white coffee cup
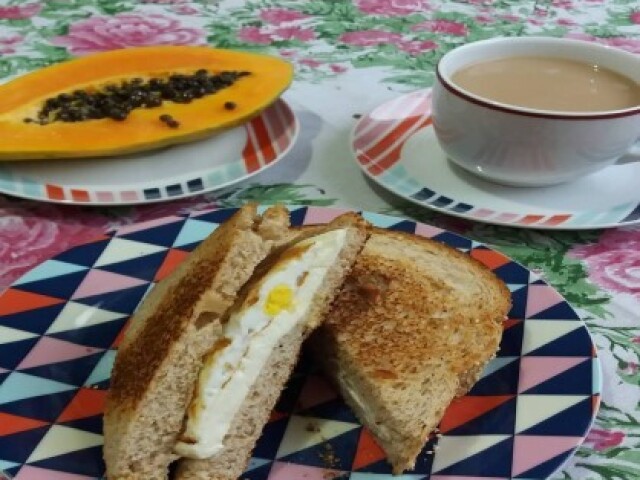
522	146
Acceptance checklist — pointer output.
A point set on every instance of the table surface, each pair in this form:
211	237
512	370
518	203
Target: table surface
351	55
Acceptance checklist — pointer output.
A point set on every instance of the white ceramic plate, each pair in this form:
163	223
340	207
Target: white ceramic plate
184	170
396	147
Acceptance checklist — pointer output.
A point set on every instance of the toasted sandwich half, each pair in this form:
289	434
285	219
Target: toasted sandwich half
412	328
210	348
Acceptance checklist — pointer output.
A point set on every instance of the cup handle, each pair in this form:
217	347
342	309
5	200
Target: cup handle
632	155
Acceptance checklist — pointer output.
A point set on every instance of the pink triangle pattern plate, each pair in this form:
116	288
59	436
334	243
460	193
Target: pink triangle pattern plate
61	324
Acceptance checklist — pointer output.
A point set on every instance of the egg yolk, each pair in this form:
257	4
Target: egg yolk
279	298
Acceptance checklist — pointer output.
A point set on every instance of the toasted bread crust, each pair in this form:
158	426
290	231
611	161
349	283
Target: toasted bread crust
413	326
254	413
158	361
391	290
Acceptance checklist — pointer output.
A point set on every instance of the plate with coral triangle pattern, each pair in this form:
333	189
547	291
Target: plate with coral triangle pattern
223	159
396	147
62	322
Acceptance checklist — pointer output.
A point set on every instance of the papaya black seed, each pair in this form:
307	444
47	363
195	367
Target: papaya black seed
153	101
118	115
117	100
51	104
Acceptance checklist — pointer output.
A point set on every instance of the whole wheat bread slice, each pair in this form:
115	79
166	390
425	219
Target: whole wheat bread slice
411	329
255	410
161	354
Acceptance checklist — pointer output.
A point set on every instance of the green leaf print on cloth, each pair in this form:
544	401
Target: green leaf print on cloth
285	193
547	254
322	38
327	38
404	38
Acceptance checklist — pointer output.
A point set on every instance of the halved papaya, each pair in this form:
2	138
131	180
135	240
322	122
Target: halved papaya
134	99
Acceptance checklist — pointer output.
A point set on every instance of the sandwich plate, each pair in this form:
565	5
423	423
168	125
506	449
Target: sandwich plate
396	147
61	323
180	171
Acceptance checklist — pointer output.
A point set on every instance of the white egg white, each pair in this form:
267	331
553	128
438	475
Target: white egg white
252	333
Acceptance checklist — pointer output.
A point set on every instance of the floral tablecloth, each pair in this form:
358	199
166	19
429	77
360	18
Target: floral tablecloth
351	55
